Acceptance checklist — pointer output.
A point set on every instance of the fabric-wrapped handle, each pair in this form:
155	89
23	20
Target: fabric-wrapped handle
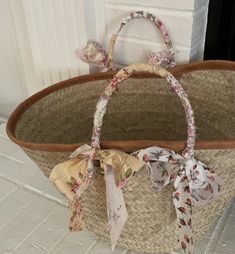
140	14
123	75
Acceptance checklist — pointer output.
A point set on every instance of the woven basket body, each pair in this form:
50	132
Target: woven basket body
49	125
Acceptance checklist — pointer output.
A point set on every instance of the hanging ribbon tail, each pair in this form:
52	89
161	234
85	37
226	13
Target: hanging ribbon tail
182	200
76	217
204	184
94	53
76	209
116	208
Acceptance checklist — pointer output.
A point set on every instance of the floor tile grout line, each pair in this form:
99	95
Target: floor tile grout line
38	245
58	243
53	248
15	182
35	191
219	228
11	158
15	216
91	247
8	194
35	229
45	195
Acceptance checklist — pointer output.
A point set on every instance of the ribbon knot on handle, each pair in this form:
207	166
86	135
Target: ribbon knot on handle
163	58
193	182
94	53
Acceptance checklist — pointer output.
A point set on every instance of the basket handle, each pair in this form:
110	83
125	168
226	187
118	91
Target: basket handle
140	14
122	75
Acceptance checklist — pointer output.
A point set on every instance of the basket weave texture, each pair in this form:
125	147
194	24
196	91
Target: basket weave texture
145	109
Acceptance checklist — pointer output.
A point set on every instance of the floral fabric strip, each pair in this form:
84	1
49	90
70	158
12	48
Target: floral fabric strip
182	200
95	53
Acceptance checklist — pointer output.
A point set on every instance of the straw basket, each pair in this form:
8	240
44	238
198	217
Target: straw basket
54	122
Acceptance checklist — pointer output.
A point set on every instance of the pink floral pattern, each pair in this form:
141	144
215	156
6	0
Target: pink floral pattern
76	223
73	184
163	58
95	54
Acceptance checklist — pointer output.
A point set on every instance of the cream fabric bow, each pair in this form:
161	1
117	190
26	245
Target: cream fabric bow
73	176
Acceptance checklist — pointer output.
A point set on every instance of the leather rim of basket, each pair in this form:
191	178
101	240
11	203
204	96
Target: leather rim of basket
131	144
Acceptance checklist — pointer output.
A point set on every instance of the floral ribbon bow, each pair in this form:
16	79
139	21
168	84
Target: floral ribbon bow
95	53
194	182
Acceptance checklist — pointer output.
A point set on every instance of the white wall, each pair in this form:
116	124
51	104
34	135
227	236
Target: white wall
39	38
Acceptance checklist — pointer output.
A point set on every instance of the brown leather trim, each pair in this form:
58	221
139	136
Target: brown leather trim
125	145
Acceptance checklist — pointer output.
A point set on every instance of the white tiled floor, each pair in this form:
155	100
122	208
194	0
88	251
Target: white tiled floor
33	215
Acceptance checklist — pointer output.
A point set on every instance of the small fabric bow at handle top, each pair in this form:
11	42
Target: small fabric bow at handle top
193	181
94	53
